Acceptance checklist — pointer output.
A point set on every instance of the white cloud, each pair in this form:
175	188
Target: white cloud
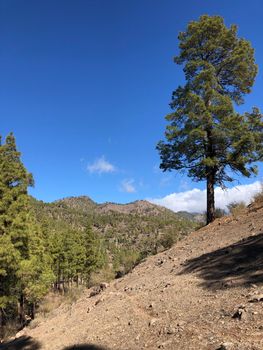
195	200
128	186
101	165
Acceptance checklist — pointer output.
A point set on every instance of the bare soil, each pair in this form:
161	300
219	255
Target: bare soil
206	292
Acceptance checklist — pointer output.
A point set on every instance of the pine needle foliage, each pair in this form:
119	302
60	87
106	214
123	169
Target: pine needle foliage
205	136
25	274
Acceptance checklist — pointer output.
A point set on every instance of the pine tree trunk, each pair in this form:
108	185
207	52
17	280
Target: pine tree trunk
1	324
210	178
32	310
210	213
21	310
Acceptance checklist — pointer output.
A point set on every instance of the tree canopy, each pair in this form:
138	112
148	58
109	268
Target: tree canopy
25	275
205	136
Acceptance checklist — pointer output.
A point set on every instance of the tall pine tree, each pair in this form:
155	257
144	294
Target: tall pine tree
94	252
206	137
24	265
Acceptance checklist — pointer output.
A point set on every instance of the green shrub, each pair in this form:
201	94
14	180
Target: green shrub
168	239
124	260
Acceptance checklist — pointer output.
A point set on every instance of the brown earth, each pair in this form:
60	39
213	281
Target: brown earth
140	207
206	292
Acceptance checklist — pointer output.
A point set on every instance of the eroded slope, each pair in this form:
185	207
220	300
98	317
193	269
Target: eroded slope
184	298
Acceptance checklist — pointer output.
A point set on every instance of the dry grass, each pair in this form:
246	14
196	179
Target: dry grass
9	330
105	275
72	295
50	302
53	300
237	208
34	323
258	198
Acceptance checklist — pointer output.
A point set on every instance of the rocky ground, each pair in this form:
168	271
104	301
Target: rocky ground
206	293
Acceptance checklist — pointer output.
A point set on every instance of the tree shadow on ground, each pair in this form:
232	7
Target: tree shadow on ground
85	347
239	264
22	343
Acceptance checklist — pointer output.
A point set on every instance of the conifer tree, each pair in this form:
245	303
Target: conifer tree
24	266
35	273
73	256
206	137
94	252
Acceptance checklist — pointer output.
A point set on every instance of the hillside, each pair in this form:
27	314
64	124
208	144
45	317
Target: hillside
140	207
139	226
82	203
204	293
192	216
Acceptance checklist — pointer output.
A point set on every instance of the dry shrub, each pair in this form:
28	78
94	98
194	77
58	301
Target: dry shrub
53	301
34	323
73	294
236	208
258	198
9	329
49	303
219	213
104	275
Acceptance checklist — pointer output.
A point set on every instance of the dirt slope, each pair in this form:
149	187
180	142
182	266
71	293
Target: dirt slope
184	298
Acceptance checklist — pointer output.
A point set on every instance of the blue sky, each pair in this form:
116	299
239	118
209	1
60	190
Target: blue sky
85	86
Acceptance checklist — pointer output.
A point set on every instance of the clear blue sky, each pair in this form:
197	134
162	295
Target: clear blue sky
85	86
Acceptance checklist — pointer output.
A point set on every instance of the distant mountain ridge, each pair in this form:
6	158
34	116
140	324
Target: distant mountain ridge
83	203
140	207
138	226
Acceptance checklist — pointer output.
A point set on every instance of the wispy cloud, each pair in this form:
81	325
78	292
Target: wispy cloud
195	199
127	185
184	185
100	166
166	180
